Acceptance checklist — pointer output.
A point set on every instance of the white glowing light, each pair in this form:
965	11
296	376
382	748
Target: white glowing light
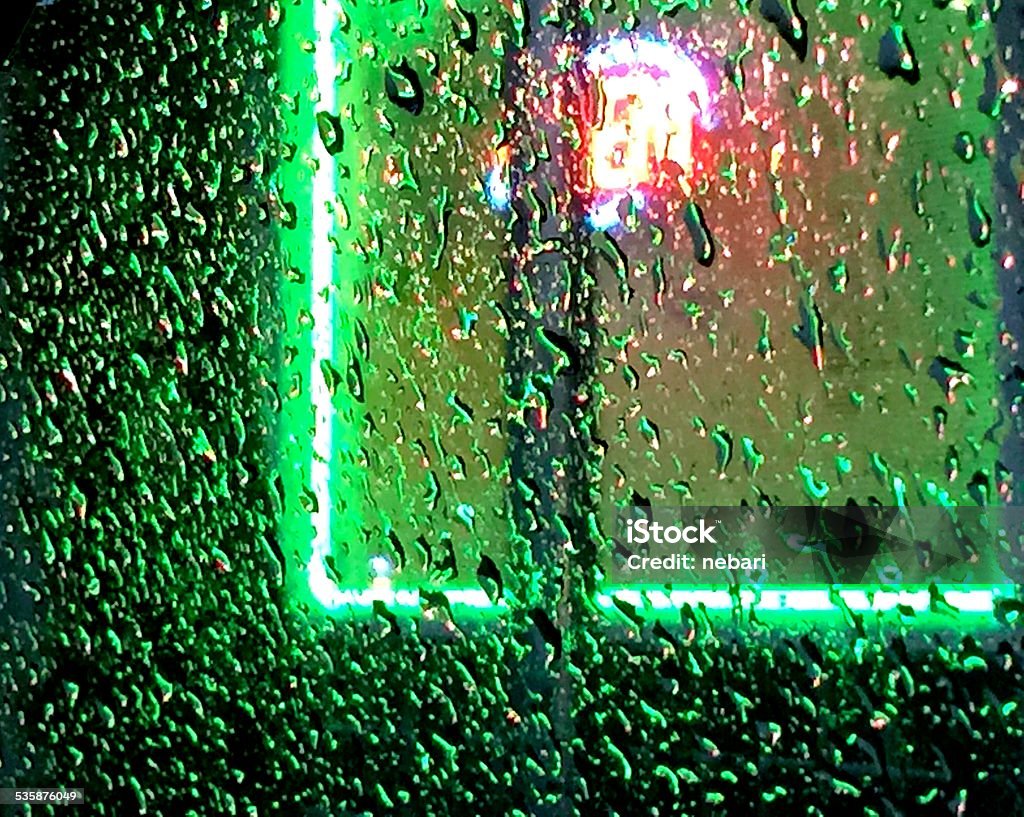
380	566
604	215
766	602
497	186
499	192
812	600
322	281
650	94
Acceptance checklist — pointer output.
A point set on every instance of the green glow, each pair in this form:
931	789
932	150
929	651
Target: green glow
321	310
790	604
331	449
296	179
321	296
809	600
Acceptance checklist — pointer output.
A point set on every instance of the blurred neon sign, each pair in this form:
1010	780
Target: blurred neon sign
649	95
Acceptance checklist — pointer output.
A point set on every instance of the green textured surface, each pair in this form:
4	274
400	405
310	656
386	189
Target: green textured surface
154	647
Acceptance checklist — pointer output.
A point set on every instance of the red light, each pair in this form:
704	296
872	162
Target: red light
649	96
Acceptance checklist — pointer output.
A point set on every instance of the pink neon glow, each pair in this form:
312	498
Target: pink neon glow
649	96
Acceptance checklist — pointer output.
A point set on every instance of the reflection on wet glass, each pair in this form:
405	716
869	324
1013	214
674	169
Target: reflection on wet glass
784	261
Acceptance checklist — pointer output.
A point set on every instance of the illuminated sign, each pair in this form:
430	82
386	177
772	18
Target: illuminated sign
648	97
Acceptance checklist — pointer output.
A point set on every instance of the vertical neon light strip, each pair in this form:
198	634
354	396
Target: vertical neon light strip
322	587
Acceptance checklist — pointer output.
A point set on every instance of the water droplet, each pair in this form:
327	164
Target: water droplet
785	15
979	221
963	146
896	55
700	235
329	129
403	87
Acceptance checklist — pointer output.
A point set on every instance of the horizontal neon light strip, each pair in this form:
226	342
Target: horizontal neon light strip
807	600
774	600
